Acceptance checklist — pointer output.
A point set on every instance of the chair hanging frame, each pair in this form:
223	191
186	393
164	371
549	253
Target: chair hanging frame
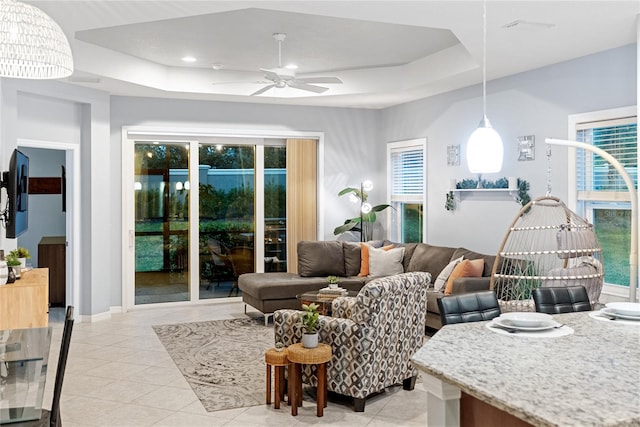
633	194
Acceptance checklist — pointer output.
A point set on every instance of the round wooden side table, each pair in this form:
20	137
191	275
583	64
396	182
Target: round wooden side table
279	360
298	356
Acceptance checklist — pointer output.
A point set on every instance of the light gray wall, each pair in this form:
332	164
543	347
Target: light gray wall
45	210
532	103
56	112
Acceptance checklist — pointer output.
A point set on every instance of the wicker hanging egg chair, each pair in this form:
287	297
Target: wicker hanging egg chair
546	245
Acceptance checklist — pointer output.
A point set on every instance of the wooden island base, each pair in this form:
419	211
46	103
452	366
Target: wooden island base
476	413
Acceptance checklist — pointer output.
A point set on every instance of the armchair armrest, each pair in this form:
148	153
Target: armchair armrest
341	307
470	284
288	328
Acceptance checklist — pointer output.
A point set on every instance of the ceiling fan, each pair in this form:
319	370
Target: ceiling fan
281	77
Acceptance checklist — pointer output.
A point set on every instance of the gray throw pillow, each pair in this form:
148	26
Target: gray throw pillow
442	278
385	263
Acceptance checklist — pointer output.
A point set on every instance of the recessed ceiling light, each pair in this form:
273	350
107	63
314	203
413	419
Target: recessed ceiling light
217	66
291	67
188	59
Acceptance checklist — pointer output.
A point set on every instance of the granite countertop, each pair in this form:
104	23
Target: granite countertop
588	378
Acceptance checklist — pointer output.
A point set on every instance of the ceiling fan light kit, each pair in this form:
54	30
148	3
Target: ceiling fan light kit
484	148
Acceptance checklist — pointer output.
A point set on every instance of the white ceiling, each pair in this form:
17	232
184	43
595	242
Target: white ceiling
385	52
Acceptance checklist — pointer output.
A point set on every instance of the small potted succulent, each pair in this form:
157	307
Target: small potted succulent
333	282
279	346
21	254
310	318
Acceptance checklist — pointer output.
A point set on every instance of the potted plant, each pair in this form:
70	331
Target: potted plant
364	222
279	346
14	267
333	282
310	318
21	254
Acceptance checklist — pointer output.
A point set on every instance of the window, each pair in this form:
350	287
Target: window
407	190
602	196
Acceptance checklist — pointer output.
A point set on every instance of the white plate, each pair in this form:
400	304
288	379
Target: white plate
625	308
526	319
547	324
621	316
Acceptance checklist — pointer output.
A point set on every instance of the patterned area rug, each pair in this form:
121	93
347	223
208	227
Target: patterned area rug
222	360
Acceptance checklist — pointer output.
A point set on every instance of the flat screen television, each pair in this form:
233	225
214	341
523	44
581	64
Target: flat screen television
16	181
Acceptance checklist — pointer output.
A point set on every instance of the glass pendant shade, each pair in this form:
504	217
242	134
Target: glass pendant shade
484	149
32	45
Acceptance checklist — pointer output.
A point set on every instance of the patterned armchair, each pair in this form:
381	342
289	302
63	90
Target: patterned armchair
373	336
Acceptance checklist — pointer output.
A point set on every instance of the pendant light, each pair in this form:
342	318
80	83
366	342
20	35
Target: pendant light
32	45
484	149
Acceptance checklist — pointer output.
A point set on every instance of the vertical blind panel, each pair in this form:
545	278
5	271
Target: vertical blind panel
596	174
407	172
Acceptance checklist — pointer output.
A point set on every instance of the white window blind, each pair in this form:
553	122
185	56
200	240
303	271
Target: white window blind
407	173
594	174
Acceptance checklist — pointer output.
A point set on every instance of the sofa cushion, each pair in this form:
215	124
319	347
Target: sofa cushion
466	268
351	252
320	259
276	286
468	254
385	262
430	258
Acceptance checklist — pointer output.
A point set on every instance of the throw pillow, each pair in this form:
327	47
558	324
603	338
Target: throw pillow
384	263
442	278
364	257
466	268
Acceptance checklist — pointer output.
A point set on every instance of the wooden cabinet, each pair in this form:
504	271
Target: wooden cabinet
25	303
51	255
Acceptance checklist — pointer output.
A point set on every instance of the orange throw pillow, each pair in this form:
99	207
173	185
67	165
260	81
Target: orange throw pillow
364	258
466	268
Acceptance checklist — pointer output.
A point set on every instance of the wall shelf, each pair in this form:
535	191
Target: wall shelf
485	193
484	190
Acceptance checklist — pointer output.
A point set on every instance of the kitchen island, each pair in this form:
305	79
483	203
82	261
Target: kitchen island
590	377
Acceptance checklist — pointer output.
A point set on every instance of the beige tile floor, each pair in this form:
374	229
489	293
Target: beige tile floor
119	374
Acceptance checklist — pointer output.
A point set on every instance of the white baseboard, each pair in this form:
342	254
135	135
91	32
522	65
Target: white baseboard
94	317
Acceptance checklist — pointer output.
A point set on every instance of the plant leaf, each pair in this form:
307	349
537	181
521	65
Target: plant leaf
350	190
379	208
348	225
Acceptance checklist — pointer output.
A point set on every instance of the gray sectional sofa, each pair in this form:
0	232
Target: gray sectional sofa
268	292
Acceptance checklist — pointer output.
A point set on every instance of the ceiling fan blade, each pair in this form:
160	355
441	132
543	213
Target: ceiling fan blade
263	90
304	86
270	74
319	80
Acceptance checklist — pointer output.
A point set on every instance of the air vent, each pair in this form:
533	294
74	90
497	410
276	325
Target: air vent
528	25
84	79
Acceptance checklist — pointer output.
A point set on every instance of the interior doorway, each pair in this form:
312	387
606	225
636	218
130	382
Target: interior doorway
61	217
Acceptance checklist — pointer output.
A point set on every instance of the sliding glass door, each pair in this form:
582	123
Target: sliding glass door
202	222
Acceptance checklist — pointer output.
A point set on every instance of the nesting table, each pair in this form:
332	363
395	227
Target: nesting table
298	356
277	359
